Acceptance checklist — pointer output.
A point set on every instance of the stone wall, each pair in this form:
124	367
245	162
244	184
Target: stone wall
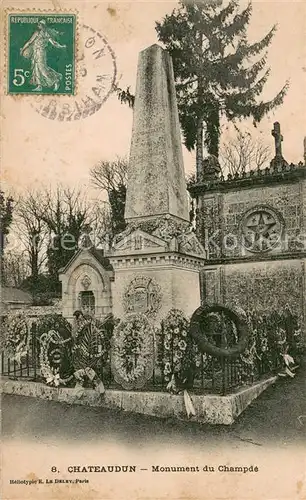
264	287
263	280
35	311
220	215
209	408
286	200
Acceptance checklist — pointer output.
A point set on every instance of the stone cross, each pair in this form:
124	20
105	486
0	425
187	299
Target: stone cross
276	132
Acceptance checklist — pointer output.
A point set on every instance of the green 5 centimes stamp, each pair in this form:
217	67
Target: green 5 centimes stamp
41	53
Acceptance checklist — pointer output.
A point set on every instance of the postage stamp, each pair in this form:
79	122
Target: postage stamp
97	78
41	53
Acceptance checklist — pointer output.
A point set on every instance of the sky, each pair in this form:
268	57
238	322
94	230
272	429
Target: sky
36	150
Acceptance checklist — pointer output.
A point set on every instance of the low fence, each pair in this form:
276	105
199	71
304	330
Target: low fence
210	376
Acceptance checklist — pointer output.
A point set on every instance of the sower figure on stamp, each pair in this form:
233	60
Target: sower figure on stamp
36	50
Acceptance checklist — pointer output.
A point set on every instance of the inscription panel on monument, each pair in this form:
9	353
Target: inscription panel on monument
156	181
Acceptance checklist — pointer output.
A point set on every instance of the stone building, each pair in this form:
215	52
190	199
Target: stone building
252	227
86	284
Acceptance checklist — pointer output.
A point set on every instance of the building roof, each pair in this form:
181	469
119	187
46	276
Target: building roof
253	178
97	254
10	294
104	261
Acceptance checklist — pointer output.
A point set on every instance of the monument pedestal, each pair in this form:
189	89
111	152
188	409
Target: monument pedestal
153	276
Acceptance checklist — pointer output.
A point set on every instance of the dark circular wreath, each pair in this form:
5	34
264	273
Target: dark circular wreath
197	333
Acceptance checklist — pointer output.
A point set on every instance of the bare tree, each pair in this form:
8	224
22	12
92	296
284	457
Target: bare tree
16	268
111	177
64	209
66	213
30	227
108	175
101	224
49	224
125	96
243	153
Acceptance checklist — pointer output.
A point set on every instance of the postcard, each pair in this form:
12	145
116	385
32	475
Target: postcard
153	314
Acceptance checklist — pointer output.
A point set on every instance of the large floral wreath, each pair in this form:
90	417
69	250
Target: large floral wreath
90	352
17	336
91	344
52	352
207	320
53	322
179	357
132	353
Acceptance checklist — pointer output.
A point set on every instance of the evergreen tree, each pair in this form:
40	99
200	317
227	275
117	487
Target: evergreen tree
125	96
217	71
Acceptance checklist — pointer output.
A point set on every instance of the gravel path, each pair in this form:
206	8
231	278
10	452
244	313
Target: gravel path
273	417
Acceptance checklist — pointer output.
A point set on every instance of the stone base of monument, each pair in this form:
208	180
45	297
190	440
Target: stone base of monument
155	283
209	409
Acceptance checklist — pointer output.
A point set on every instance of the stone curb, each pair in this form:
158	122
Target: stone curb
209	409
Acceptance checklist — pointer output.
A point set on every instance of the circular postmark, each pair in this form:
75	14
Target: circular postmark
96	79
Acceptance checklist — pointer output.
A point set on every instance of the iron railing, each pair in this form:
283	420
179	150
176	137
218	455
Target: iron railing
213	375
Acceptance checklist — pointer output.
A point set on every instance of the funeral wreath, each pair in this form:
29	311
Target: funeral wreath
132	352
17	336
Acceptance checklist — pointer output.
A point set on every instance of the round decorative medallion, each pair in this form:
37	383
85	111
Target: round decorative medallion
142	295
261	229
86	281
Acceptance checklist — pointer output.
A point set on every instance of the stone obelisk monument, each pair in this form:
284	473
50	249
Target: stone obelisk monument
156	180
157	259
